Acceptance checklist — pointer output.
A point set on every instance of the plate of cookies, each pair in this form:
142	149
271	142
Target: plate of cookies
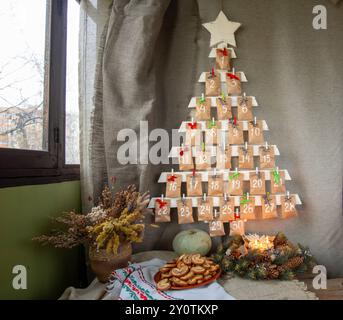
186	272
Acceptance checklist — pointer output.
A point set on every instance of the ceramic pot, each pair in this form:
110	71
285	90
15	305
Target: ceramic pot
103	263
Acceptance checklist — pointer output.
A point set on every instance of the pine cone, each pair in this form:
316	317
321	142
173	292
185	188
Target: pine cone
273	272
293	263
280	239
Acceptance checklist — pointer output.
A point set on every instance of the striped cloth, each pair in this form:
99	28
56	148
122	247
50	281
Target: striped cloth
136	282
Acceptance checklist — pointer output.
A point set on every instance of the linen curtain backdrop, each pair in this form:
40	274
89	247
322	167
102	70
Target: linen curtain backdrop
140	60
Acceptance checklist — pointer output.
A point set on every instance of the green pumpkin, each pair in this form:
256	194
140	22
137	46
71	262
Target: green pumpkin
192	241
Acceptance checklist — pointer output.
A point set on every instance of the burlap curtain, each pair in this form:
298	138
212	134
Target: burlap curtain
140	60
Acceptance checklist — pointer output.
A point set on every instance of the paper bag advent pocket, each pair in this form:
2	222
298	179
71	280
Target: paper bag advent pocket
203	109
185	159
216	228
269	209
288	209
235	133
194	185
235	184
233	83
255	132
246	157
162	210
223	59
244	108
257	183
185	211
215	185
247	208
173	189
277	182
223	157
213	83
213	132
224	108
227	209
203	160
205	209
193	134
267	158
237	228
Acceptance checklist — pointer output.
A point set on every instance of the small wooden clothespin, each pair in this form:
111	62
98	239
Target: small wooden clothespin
247	195
162	197
214	173
246	145
204	197
257	172
216	214
233	71
245	98
225	197
266	146
277	170
183	199
236	170
172	171
288	197
255	122
202	100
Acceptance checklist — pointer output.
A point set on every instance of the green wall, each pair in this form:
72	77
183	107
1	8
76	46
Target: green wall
25	213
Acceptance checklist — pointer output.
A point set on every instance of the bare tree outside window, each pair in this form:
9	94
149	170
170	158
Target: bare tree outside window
23	70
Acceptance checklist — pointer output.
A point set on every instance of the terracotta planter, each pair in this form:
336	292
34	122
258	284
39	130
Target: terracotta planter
103	263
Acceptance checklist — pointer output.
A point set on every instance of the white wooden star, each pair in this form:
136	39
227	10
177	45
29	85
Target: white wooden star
222	30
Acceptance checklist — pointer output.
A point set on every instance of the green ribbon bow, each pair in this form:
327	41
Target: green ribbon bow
245	200
212	124
234	176
202	99
276	175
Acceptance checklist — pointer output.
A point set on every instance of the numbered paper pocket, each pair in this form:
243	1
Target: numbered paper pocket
237	228
185	159
227	209
288	209
185	211
244	109
203	160
215	185
212	86
269	208
205	210
213	133
224	109
257	183
203	110
162	210
235	185
223	59
235	133
234	86
193	137
255	133
194	185
247	209
223	158
246	158
173	189
216	228
277	186
267	158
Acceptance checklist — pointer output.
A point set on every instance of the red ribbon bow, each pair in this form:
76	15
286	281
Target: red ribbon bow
172	178
161	203
223	51
192	125
181	153
235	121
232	76
212	72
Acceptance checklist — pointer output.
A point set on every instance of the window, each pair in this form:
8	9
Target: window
38	91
